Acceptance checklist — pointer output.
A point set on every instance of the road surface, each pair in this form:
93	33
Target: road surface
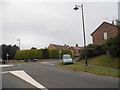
52	76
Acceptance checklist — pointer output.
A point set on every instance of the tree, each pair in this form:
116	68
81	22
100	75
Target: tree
113	46
33	48
9	49
45	53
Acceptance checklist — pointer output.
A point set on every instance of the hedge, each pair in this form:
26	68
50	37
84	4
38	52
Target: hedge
54	54
40	54
66	51
92	50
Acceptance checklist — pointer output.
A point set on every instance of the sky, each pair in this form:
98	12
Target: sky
40	23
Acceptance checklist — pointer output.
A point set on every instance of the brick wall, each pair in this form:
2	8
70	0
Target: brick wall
98	35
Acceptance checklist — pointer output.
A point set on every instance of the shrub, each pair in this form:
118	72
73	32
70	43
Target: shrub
54	54
40	54
92	51
45	53
113	46
67	51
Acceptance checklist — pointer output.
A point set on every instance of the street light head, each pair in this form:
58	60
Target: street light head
76	8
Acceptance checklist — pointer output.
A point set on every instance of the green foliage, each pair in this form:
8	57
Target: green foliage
66	51
104	61
92	50
40	54
113	46
11	50
91	69
54	54
45	53
28	54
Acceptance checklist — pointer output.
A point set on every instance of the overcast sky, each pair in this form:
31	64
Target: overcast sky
39	24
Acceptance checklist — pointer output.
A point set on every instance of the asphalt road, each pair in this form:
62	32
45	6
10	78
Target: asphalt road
52	76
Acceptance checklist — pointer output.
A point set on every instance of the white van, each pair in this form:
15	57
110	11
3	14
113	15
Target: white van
66	58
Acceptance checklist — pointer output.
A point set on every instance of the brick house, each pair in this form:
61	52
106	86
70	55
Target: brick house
103	32
54	46
76	49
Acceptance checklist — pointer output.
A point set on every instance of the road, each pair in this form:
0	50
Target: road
52	76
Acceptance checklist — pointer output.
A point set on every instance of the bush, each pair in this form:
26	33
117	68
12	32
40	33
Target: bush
92	51
28	54
67	52
54	54
113	46
45	54
40	54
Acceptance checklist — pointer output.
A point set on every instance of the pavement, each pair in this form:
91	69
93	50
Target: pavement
48	75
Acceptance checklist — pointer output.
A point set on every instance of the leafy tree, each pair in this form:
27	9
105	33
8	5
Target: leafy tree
45	53
113	46
33	48
92	50
8	49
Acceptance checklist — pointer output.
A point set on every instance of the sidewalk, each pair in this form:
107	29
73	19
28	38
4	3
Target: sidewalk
99	67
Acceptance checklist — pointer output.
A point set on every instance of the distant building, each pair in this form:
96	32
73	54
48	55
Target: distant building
54	46
76	49
103	32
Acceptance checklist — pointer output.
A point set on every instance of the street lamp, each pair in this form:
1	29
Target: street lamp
83	23
18	42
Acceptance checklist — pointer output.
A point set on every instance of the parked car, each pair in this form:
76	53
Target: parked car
35	60
67	59
2	61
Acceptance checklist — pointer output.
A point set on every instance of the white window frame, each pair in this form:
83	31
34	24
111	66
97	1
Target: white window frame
105	35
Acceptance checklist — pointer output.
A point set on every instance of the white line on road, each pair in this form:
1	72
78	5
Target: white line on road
47	63
5	66
24	76
5	72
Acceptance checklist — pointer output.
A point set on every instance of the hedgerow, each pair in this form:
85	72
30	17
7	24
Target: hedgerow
40	54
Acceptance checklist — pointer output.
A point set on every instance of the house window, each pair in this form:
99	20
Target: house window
105	35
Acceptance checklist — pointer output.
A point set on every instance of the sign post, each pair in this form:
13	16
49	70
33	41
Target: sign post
60	54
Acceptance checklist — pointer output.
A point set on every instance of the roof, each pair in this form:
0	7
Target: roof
76	47
102	25
59	46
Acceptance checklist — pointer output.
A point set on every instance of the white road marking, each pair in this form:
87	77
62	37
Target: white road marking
51	64
24	76
5	66
47	63
5	72
44	62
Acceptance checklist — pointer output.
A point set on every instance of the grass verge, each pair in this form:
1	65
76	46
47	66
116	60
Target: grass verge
91	69
104	60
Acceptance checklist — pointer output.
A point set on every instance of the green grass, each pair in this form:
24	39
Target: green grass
104	60
91	69
75	59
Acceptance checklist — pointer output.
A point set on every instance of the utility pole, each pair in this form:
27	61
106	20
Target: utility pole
18	42
83	23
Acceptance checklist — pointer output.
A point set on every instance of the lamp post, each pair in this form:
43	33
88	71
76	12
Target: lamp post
18	42
83	23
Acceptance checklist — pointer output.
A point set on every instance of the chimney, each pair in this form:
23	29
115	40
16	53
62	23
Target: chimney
113	22
76	45
65	45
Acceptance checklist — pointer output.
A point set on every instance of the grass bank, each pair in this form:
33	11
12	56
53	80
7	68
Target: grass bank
104	60
91	69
